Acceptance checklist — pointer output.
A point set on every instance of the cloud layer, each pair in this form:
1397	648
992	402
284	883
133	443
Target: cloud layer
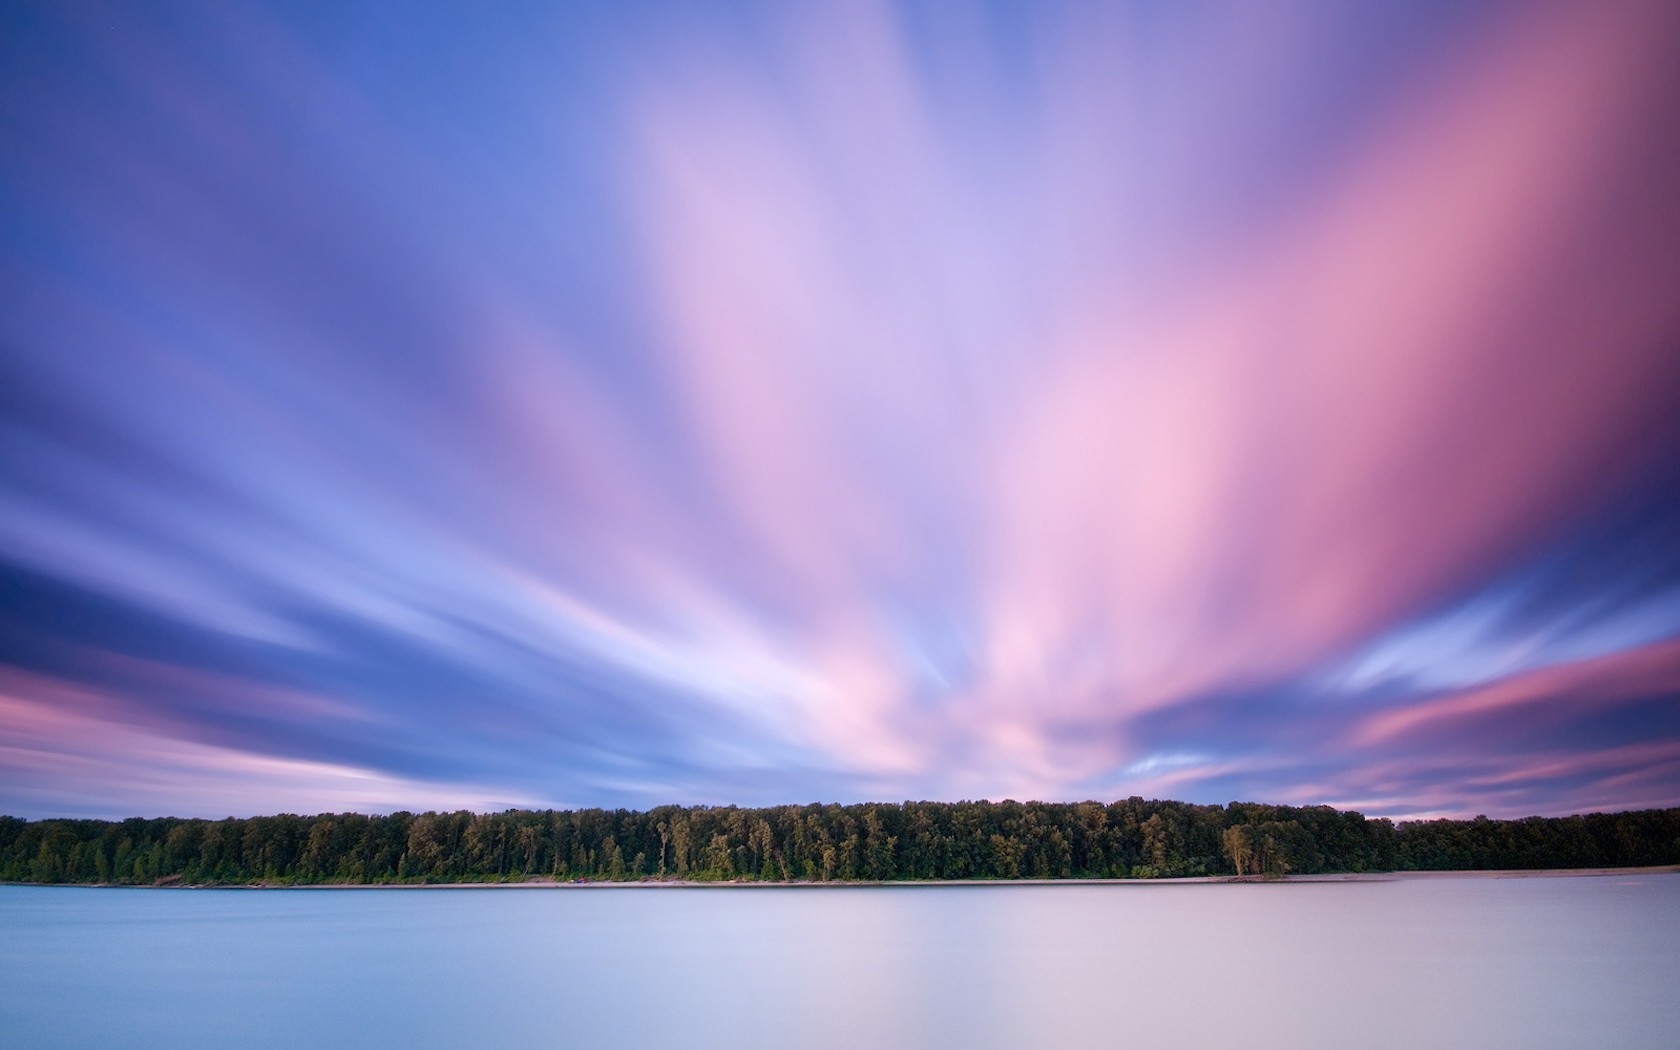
763	405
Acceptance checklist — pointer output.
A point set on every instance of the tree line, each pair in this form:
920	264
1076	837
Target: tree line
1131	839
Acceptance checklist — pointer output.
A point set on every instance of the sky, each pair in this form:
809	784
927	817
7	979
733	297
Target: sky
440	405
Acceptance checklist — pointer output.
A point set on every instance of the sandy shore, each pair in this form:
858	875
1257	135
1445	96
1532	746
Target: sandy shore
681	884
670	884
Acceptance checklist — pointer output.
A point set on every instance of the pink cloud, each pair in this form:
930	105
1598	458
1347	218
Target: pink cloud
981	400
1547	694
68	749
1312	431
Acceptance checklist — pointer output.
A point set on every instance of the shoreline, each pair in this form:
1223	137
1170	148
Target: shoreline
682	884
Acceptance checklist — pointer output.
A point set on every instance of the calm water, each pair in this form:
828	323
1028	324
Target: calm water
1521	963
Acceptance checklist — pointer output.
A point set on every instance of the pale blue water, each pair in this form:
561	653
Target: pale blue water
1520	963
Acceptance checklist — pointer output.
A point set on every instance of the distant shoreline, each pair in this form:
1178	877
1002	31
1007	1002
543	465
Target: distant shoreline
944	843
683	884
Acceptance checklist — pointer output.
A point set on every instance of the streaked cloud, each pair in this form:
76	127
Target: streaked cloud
854	401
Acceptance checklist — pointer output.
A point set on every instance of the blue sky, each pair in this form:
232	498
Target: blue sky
422	406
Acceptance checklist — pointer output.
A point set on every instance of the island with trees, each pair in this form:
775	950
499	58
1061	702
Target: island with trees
877	842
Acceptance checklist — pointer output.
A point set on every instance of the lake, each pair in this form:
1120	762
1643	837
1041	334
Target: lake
1459	962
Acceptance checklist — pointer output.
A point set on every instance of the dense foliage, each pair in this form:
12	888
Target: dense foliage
1133	838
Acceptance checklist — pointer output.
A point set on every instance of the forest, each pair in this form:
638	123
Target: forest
1128	839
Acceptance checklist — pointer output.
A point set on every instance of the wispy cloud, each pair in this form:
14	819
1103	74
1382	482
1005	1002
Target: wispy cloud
841	402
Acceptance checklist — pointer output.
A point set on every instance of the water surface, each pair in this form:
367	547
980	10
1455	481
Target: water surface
1530	963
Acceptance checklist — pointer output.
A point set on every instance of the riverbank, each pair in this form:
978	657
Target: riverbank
1375	876
684	884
